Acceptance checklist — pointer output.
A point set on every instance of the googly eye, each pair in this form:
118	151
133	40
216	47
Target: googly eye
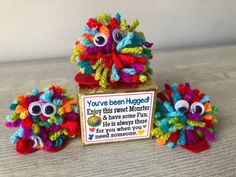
182	106
118	35
100	40
35	108
198	108
49	109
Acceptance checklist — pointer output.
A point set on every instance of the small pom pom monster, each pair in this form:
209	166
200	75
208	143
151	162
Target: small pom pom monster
185	117
111	51
45	120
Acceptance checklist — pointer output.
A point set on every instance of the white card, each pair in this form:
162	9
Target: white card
116	117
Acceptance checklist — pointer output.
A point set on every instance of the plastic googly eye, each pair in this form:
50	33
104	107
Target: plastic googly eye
198	108
35	108
49	109
100	40
118	35
182	106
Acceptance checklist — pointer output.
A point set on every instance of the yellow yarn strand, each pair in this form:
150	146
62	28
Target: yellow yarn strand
173	120
72	59
165	136
97	64
124	25
103	81
104	18
195	123
70	96
98	72
142	78
214	120
179	126
60	111
157	132
133	50
56	135
35	128
76	52
14	116
81	70
52	120
23	114
134	25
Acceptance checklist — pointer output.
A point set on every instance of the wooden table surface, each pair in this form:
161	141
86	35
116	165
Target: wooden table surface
213	70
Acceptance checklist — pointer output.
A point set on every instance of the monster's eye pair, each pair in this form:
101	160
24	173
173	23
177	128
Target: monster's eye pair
183	106
100	39
48	109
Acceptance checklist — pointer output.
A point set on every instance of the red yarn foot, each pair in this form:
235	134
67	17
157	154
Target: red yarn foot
25	146
202	145
85	79
56	149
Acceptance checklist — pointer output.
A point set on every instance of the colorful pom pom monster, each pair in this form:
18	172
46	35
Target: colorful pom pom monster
45	120
185	117
111	51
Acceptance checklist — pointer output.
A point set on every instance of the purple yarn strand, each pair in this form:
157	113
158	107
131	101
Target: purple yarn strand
138	67
26	133
210	136
70	116
189	137
126	77
92	50
194	116
13	124
189	96
148	44
109	44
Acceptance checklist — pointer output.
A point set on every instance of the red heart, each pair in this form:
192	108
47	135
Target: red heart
92	129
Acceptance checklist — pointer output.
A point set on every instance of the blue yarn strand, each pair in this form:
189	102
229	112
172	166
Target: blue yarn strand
114	74
125	41
130	71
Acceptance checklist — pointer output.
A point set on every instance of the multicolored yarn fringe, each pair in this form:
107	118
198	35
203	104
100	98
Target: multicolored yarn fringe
110	50
184	117
45	120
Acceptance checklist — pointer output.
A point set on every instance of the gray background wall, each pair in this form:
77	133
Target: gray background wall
33	29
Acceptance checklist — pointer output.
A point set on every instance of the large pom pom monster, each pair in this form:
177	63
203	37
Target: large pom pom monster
45	120
185	117
111	51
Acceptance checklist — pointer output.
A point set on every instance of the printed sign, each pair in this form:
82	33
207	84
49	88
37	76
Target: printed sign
116	117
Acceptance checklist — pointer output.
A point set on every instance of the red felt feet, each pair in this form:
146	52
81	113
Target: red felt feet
56	149
25	146
85	79
200	146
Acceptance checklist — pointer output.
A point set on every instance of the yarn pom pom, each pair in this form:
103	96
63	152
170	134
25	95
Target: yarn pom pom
109	51
46	119
25	146
184	117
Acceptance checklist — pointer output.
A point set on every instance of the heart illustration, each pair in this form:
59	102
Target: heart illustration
140	132
92	129
91	136
144	126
